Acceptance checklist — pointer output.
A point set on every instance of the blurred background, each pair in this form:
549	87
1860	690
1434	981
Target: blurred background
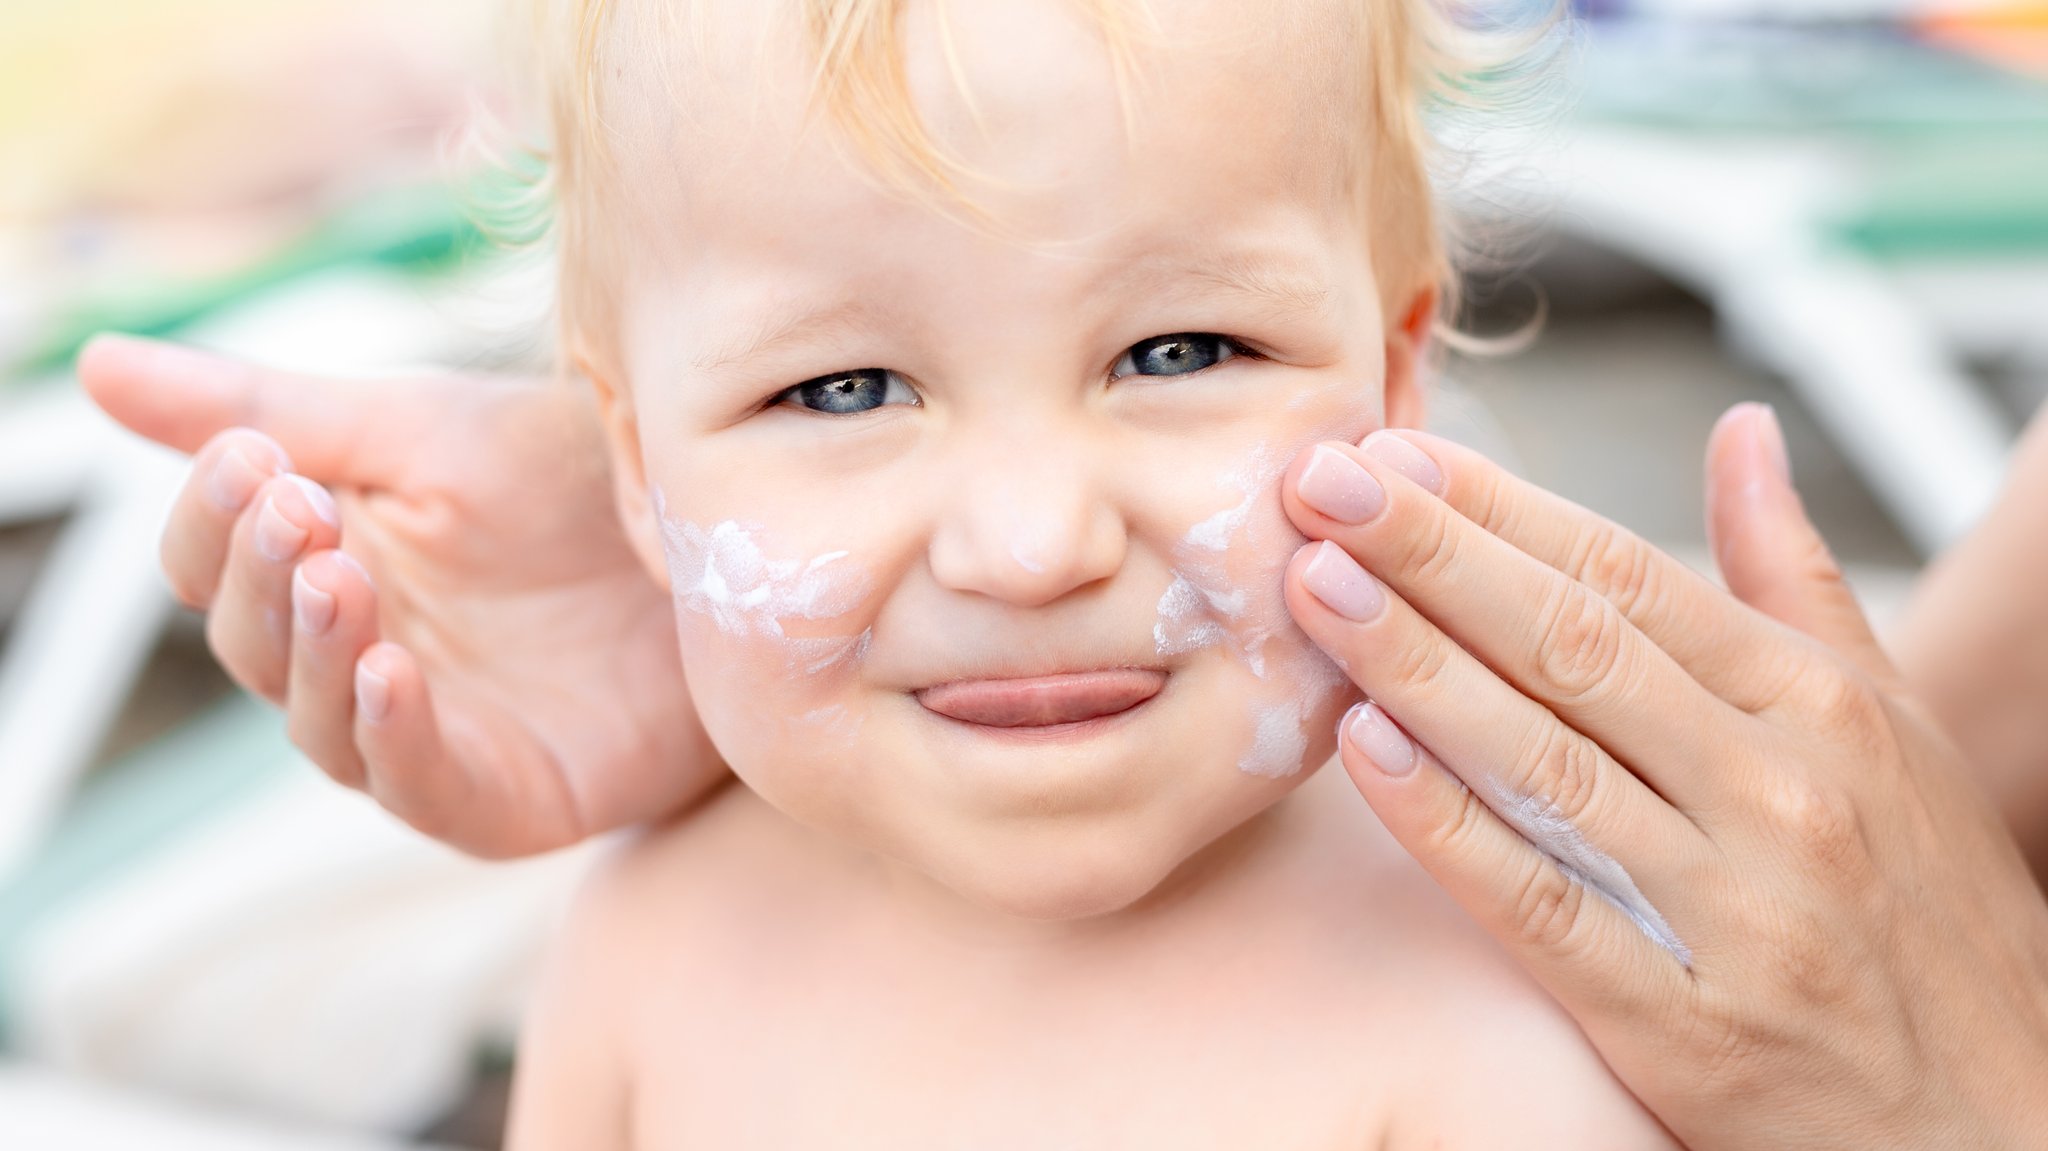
1836	206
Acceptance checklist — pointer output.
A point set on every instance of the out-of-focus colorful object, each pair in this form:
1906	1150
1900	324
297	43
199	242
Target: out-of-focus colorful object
2013	35
159	158
1857	189
1930	103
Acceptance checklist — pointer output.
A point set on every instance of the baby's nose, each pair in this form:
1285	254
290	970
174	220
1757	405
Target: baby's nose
1027	527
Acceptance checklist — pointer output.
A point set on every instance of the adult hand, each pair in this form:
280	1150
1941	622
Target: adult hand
1718	832
429	576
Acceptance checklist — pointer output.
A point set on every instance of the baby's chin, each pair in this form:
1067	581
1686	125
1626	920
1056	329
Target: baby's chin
1090	868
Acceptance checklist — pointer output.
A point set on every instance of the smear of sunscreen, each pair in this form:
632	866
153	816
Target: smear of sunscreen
722	573
1547	829
1204	606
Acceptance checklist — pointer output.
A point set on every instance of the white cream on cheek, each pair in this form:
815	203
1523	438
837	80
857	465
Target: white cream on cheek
1205	606
722	574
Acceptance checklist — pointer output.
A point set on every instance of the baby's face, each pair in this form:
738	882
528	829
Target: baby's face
975	544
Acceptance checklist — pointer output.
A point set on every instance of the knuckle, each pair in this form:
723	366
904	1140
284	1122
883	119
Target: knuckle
1821	825
1619	568
1579	645
1432	547
1488	504
1413	666
1843	708
1843	703
1564	773
1549	909
1458	836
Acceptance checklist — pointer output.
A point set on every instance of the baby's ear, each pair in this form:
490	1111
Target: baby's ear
1407	384
630	490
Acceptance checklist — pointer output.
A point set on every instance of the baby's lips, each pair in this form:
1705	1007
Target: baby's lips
1043	701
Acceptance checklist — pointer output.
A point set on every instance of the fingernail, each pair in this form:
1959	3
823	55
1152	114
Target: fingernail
348	561
1406	458
373	694
1336	579
1336	486
277	538
1386	745
1772	435
234	480
313	607
317	498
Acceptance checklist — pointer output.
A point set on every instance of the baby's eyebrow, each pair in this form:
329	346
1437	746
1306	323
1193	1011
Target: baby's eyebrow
785	324
1279	288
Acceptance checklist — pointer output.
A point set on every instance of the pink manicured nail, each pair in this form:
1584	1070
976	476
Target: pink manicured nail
1336	486
313	607
277	538
316	498
234	480
1386	745
373	694
348	561
1406	458
1336	579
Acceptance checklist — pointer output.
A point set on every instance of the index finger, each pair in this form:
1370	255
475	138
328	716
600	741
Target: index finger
1706	631
349	432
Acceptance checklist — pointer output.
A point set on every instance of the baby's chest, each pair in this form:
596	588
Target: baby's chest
939	1061
806	1092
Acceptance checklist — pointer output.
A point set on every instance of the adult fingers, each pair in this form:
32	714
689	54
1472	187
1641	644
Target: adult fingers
224	479
1681	611
354	432
1769	553
1557	788
1589	953
1553	638
249	623
484	792
334	620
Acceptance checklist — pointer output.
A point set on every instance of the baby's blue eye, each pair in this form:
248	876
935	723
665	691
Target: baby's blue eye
850	393
1175	355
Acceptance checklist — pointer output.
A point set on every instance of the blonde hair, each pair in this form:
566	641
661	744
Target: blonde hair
1424	55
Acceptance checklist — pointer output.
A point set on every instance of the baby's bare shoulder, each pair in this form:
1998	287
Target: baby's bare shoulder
635	957
677	888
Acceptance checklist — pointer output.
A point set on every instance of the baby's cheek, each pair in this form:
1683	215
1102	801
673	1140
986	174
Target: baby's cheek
771	641
1227	595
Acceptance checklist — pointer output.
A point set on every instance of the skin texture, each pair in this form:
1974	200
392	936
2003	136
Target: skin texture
1819	966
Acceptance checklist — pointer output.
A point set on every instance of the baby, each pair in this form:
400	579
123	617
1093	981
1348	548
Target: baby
950	355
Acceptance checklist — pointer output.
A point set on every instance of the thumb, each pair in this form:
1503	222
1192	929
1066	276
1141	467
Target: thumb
1770	554
355	432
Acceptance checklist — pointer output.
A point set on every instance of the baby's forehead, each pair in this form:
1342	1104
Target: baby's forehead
1016	96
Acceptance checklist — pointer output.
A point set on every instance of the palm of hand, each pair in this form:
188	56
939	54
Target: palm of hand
549	653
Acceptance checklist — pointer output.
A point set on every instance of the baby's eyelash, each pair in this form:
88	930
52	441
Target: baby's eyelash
1233	345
